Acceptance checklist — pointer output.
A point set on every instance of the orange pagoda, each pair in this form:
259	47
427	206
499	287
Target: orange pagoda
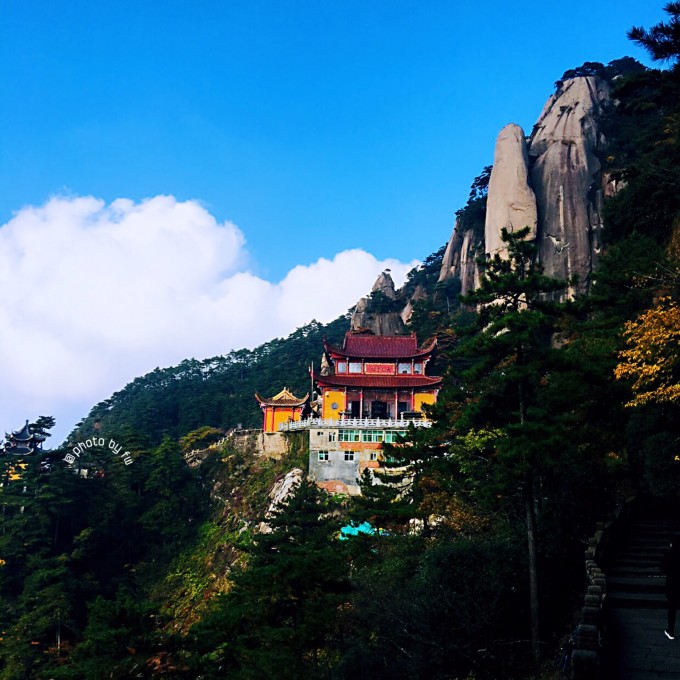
284	407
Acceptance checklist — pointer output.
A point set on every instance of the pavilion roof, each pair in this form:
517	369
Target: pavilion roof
284	398
369	346
25	435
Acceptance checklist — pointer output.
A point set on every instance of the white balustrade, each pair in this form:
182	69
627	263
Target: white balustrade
354	423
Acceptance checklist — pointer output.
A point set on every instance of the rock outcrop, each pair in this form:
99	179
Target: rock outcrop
382	312
385	285
279	495
460	257
407	311
566	178
511	203
553	184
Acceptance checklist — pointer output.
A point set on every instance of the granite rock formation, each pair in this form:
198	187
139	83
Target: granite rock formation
460	257
511	203
380	313
554	185
566	177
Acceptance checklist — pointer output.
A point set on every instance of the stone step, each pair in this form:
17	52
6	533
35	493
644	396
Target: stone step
658	542
647	554
635	584
634	572
636	600
668	529
634	560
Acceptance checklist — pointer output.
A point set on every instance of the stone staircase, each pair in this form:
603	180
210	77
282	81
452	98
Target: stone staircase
636	603
634	577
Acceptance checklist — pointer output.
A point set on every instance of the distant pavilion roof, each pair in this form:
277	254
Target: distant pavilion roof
22	441
284	398
377	381
25	435
369	346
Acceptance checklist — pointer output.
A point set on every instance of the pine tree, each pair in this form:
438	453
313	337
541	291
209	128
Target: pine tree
278	619
514	347
662	41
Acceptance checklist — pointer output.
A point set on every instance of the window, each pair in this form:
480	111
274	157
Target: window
403	367
355	367
332	436
391	436
349	455
418	369
374	455
319	434
350	435
323	455
375	436
341	367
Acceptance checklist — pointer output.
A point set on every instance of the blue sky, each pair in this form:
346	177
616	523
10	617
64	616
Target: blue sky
313	125
184	178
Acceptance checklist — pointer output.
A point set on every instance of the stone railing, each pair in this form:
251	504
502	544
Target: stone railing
588	636
355	423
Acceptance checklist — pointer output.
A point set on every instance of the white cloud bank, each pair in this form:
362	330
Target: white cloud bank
92	296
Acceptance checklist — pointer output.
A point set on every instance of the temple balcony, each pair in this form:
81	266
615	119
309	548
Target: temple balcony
355	423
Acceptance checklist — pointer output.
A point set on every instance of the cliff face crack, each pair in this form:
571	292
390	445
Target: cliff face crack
557	244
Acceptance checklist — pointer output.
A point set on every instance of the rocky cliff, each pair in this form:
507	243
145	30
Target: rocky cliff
381	310
552	183
566	177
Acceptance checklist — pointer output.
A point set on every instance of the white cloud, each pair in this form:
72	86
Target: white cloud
93	295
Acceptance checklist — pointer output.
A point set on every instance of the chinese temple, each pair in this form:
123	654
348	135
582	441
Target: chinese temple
370	391
284	407
377	376
23	441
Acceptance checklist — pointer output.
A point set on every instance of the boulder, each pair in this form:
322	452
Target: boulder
511	203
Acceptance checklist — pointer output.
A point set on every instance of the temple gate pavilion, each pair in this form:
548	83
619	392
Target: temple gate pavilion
373	389
283	407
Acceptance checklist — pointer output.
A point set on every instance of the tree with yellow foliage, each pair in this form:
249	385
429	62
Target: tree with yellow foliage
652	357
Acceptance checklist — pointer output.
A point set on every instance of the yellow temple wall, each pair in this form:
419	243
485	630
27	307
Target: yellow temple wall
274	416
423	398
331	397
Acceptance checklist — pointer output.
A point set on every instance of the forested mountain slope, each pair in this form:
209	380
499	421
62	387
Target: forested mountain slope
217	392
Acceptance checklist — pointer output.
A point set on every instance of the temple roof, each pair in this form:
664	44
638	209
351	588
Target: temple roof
377	381
25	435
22	435
20	450
369	346
284	398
